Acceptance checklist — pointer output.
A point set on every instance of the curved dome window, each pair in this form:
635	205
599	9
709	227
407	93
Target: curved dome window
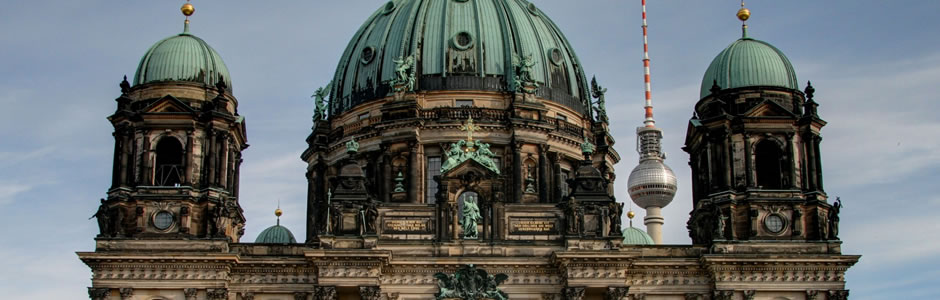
532	9
556	56
774	223
162	220
389	7
367	55
463	40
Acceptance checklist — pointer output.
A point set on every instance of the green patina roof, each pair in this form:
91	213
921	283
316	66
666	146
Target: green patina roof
749	63
485	33
182	57
635	236
276	234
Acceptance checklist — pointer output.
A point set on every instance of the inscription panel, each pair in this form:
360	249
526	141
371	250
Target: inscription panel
406	225
532	226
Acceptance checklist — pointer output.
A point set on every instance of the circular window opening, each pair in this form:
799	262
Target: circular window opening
774	223
389	7
367	55
163	220
532	9
556	56
463	40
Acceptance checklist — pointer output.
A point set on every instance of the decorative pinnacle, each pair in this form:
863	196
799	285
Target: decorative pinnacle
743	14
278	212
187	10
469	127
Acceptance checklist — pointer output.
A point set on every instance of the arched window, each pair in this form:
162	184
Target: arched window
169	167
769	165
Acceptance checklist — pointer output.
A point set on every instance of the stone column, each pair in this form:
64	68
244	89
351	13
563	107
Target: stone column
189	156
748	168
370	293
98	293
116	162
617	293
808	145
791	163
517	171
556	187
223	159
414	174
146	167
210	156
544	194
573	293
126	293
819	175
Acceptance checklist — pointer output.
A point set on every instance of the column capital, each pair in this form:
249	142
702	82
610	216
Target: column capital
98	293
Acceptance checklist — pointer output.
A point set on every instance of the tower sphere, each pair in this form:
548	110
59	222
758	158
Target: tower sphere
652	184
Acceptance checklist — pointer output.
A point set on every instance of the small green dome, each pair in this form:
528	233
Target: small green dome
749	63
182	57
276	234
635	236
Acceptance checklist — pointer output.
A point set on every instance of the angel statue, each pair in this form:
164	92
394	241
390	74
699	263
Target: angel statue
598	92
404	67
523	66
320	101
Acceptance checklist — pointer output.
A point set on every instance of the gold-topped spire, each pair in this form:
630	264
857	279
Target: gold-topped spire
743	14
278	212
187	10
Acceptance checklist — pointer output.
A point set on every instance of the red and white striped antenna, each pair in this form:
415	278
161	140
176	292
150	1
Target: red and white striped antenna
646	74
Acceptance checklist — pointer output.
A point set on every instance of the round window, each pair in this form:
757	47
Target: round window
774	223
532	9
163	220
389	7
367	55
463	40
556	56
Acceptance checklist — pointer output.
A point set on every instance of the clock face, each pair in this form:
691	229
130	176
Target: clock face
774	223
163	220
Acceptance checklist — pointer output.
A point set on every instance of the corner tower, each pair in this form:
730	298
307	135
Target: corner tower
178	143
754	151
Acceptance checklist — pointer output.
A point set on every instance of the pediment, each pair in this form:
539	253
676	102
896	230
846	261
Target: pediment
769	108
468	167
168	104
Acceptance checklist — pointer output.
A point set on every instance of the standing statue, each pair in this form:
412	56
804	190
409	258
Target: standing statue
404	68
571	215
720	224
834	218
104	219
455	155
614	212
469	218
597	91
320	101
524	82
371	214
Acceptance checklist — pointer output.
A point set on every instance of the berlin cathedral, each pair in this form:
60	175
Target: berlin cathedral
461	152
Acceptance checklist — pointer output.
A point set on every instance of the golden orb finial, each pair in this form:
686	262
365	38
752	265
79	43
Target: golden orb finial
187	9
278	212
744	14
631	214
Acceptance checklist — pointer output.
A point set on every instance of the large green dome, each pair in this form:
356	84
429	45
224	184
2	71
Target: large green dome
458	45
182	57
749	63
276	234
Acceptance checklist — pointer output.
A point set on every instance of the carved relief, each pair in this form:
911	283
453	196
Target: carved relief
325	293
370	293
574	293
126	293
616	293
217	294
190	293
98	293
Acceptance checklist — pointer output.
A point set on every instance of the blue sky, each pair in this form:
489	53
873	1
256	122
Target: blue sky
875	66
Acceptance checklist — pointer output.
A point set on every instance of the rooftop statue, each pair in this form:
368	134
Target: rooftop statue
587	148
404	67
352	146
597	91
523	67
320	101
